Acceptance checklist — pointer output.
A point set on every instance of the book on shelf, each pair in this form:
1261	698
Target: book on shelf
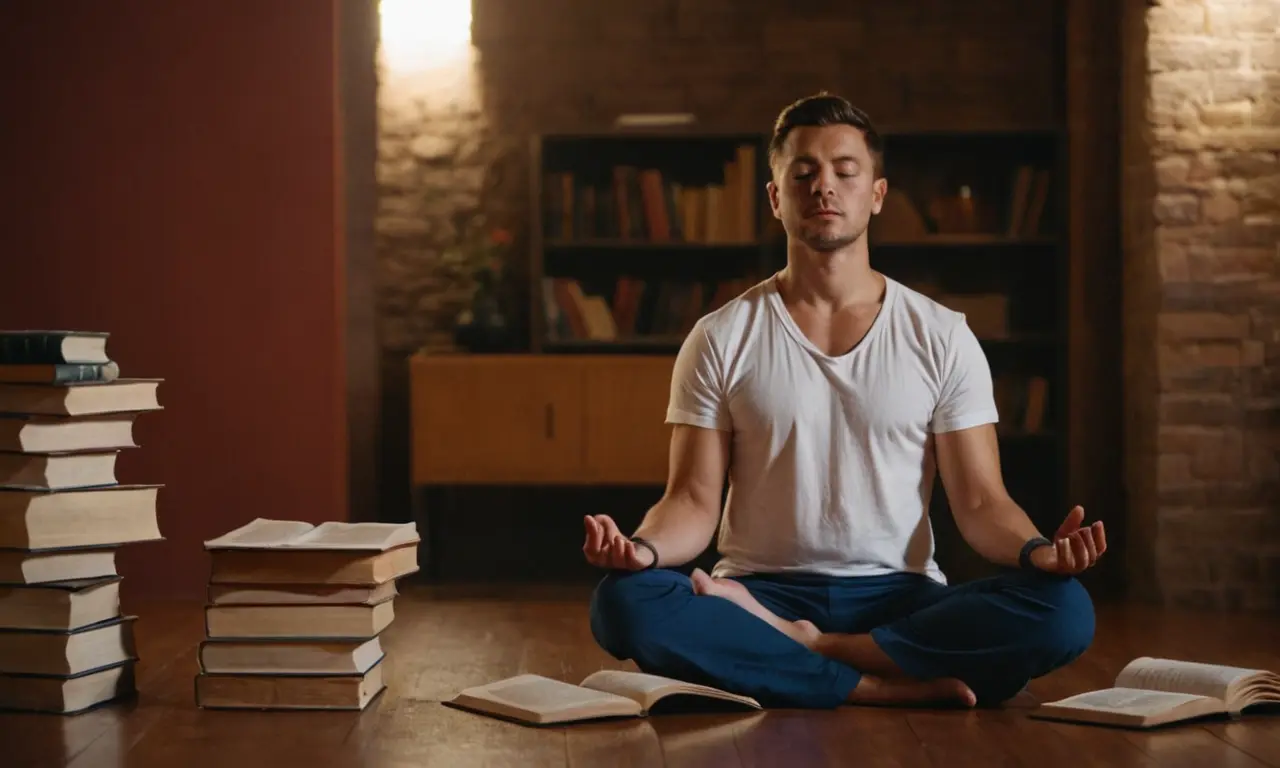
635	307
1151	692
646	204
538	700
1027	201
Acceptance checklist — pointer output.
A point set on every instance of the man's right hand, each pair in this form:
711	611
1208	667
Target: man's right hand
606	547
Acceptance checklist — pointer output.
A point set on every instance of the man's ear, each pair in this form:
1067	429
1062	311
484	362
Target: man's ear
879	189
772	189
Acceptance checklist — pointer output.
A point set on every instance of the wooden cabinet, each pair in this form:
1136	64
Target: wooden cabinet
627	438
539	419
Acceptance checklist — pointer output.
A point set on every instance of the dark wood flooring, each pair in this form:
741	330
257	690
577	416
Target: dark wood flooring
446	639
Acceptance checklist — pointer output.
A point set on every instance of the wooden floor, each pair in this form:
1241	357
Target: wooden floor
444	640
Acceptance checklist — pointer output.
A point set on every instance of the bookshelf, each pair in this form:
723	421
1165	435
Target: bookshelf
636	235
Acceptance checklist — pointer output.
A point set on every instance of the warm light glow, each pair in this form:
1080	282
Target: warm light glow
419	34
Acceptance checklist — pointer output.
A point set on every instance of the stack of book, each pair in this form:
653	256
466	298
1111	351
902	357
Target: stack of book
65	415
295	613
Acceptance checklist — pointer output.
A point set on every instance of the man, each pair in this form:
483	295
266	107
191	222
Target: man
831	395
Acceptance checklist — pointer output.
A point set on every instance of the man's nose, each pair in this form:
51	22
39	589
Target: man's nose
823	182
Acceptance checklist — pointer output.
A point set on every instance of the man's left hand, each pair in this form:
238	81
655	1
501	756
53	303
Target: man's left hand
1074	549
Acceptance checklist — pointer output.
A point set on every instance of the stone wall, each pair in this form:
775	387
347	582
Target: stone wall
1202	281
455	139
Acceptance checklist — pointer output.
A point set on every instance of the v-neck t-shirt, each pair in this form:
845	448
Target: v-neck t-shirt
832	462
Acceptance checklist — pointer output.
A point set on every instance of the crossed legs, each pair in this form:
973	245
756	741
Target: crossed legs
902	638
979	642
882	681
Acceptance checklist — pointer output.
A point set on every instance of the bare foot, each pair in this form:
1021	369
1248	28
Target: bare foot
803	632
943	690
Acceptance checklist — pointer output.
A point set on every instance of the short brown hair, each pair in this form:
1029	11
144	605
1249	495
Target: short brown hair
826	109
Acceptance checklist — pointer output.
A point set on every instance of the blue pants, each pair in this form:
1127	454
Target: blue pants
994	634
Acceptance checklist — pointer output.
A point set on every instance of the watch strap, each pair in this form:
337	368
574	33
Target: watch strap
1024	557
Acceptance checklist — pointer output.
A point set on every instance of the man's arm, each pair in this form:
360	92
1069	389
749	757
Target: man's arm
989	519
681	524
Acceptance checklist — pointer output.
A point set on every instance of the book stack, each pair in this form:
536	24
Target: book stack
65	417
296	611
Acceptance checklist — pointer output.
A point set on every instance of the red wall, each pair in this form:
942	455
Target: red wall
170	174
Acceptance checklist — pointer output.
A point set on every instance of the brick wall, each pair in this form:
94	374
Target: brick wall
1202	282
455	141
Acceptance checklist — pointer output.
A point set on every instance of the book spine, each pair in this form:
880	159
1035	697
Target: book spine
32	348
59	373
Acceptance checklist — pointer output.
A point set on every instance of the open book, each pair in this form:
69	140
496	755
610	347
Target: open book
1149	692
294	534
271	552
538	700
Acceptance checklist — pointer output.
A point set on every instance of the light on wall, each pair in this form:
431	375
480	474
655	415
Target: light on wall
420	34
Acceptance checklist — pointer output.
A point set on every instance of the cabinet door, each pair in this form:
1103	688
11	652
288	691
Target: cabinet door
627	438
496	419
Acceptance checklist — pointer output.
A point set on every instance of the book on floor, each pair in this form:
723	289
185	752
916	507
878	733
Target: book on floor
35	434
608	693
67	652
1151	692
314	622
18	566
57	471
81	398
289	691
67	694
42	346
300	594
78	517
292	552
289	656
60	605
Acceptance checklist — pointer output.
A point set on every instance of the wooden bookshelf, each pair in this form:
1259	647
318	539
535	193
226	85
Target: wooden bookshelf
637	235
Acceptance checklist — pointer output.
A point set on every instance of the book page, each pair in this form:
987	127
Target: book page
637	686
1180	676
363	536
646	689
1129	701
539	698
260	534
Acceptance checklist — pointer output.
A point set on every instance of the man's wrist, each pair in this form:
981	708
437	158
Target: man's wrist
1031	545
643	542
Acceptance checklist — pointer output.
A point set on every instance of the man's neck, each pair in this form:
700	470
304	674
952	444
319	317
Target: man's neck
829	282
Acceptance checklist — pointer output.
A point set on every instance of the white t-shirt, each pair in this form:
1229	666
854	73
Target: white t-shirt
832	463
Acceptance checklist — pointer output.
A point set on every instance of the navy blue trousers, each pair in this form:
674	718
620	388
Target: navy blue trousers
994	634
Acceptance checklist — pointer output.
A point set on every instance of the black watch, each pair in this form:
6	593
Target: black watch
644	543
1024	557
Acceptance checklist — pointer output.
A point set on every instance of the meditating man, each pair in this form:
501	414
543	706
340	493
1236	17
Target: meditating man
831	394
